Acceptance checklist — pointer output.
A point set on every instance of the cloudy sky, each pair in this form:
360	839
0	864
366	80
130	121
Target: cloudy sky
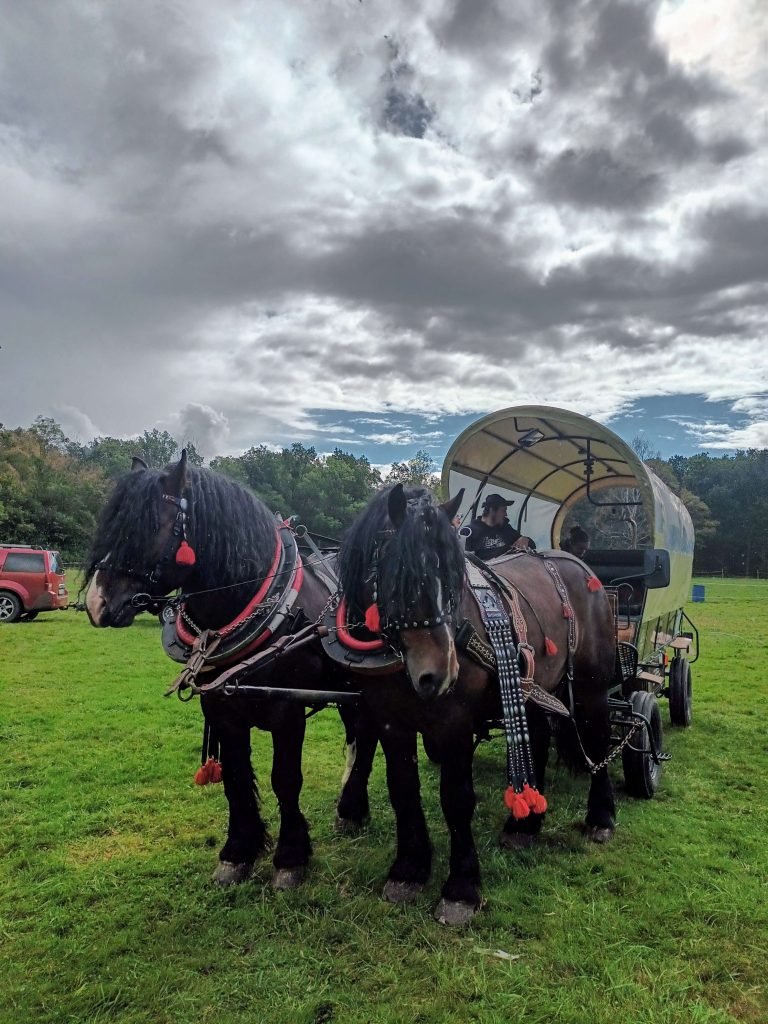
363	222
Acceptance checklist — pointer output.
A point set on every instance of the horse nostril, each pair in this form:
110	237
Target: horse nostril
428	684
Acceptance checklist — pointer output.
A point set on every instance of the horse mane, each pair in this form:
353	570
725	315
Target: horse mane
231	530
425	547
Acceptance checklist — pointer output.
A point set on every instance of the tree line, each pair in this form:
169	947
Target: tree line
52	488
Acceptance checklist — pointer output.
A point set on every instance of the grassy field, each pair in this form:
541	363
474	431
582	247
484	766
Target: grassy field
106	849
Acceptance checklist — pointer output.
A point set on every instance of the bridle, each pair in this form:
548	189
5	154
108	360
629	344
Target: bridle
390	627
176	543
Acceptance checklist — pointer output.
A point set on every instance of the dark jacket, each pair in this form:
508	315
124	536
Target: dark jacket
489	541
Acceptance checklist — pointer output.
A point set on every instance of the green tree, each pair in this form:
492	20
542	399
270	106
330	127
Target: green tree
418	471
47	497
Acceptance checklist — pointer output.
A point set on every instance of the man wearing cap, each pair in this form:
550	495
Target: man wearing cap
492	533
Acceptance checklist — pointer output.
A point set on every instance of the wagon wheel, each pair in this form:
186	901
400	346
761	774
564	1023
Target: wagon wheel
679	692
641	773
10	607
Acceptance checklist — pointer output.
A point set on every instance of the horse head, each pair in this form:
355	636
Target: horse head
403	557
140	548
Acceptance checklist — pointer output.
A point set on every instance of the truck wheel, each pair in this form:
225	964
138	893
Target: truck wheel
10	607
641	773
680	693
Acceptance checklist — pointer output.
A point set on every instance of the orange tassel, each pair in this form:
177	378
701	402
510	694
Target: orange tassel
373	619
534	799
550	647
593	584
516	803
185	555
203	774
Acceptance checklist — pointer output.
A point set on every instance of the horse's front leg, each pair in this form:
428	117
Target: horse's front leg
413	861
293	848
361	740
246	834
461	896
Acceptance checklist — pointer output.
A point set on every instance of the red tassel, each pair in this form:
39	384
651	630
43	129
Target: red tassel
567	611
550	647
215	772
373	619
534	799
516	803
593	584
185	555
203	773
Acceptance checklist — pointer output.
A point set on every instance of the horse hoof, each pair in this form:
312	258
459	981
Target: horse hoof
517	840
454	913
349	826
599	834
227	873
288	878
401	892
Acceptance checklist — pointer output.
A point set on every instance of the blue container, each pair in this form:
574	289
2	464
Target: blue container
698	593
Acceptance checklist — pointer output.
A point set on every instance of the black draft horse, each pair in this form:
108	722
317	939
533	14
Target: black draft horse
233	535
404	545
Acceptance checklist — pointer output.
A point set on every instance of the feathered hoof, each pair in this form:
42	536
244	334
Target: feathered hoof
517	840
402	892
227	873
288	878
349	826
454	913
599	834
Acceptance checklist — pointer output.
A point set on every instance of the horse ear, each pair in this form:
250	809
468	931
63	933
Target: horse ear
138	464
176	480
452	506
397	505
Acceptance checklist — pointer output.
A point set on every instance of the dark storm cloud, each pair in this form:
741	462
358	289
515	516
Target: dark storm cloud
593	177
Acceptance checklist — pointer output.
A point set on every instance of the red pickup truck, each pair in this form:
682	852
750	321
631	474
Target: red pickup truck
32	580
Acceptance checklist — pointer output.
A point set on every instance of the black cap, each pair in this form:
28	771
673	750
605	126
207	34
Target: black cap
496	500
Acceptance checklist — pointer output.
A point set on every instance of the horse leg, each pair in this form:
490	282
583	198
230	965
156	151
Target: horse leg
352	809
521	833
413	861
247	834
460	898
293	848
593	723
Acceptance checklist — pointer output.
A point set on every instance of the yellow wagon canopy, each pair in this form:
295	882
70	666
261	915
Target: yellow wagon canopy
543	452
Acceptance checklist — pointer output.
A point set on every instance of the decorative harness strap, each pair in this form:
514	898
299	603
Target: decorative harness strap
265	616
521	796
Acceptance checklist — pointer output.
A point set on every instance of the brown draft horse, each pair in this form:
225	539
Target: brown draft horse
404	550
233	535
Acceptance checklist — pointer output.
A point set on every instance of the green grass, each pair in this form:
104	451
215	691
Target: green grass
106	849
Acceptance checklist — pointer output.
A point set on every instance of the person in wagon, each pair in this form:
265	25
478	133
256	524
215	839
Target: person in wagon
577	542
492	533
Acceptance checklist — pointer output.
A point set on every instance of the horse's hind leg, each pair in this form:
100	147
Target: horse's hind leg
293	848
362	738
520	833
594	725
461	893
413	861
247	834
